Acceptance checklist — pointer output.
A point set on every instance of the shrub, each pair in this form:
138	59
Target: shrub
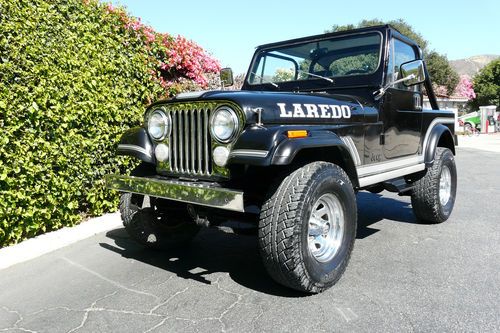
73	76
487	85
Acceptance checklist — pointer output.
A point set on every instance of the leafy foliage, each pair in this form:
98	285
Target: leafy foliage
441	71
361	63
283	75
439	68
487	85
401	25
73	76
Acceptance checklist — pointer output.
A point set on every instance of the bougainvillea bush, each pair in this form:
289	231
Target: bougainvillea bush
465	88
73	76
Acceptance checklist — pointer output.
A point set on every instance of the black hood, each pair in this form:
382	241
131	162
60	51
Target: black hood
274	104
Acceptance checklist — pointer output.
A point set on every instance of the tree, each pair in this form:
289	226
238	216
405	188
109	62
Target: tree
487	85
401	25
439	68
283	75
441	72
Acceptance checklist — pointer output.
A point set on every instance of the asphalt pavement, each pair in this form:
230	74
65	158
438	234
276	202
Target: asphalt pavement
403	276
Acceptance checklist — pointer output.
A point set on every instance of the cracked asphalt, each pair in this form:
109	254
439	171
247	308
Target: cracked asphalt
402	277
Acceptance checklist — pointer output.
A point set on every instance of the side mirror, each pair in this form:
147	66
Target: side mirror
226	77
413	68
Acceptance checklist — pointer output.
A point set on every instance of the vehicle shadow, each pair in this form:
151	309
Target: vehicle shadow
214	251
373	208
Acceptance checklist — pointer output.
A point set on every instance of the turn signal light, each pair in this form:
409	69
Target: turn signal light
296	134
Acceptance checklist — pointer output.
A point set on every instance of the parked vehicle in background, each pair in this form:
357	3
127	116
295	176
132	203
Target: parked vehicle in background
469	130
470	120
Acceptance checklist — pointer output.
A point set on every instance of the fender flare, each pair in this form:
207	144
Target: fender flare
436	134
135	142
288	149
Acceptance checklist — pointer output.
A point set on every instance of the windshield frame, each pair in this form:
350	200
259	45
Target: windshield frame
373	78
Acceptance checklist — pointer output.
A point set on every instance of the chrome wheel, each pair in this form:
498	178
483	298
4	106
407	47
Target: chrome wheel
326	228
445	186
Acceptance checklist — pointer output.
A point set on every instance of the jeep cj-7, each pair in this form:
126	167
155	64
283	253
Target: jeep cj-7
316	120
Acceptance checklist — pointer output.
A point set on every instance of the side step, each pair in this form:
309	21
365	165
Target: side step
399	186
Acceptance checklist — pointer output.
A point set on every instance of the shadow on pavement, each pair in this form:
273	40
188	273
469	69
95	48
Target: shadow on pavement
373	208
214	251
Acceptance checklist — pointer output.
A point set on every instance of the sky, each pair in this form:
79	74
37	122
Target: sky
230	29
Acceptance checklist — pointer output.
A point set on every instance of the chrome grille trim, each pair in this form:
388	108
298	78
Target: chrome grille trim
193	148
186	141
181	146
189	142
205	139
173	146
199	130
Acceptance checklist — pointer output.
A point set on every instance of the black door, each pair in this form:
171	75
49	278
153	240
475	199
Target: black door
402	106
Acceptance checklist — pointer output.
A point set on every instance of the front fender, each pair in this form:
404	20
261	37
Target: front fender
289	148
256	144
324	146
135	142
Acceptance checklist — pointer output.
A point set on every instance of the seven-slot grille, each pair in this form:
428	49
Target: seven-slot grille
190	141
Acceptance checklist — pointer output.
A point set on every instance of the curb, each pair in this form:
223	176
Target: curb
51	241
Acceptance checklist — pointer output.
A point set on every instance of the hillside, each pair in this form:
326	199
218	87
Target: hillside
470	66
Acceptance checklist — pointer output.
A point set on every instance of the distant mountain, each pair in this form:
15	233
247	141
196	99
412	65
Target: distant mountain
470	66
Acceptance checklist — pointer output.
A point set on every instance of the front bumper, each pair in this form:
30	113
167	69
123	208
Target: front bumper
189	192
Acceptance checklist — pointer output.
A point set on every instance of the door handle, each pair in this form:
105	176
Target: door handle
417	102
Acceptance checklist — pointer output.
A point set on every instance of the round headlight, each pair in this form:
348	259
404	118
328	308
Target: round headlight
158	125
224	124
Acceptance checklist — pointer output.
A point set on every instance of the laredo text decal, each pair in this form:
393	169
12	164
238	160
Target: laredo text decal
314	111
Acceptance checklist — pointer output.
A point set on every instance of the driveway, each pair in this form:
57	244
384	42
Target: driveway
403	276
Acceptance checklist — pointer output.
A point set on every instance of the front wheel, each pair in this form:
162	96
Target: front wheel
307	227
433	196
468	129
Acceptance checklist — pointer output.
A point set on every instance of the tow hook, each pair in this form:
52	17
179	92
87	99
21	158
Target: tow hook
199	220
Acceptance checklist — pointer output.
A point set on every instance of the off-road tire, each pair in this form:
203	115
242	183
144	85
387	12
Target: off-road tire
283	227
425	198
155	228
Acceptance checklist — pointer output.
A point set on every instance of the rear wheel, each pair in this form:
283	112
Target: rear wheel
433	196
468	129
155	226
307	227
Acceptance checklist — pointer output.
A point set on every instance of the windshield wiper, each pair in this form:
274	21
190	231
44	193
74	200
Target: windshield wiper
263	80
316	75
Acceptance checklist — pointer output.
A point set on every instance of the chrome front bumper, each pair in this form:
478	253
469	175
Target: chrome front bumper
189	192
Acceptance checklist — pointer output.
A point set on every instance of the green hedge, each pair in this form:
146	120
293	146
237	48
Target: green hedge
73	77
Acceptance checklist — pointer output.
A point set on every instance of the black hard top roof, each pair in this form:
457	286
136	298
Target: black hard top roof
380	28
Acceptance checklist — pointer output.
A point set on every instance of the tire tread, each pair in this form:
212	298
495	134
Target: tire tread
280	221
425	193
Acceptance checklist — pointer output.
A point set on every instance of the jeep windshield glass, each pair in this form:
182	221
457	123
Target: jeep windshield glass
318	60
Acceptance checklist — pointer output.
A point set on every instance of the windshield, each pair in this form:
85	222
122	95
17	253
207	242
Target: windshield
318	60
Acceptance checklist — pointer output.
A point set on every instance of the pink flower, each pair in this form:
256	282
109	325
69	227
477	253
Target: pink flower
176	63
464	88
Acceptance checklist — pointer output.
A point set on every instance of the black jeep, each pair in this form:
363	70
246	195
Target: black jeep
317	119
